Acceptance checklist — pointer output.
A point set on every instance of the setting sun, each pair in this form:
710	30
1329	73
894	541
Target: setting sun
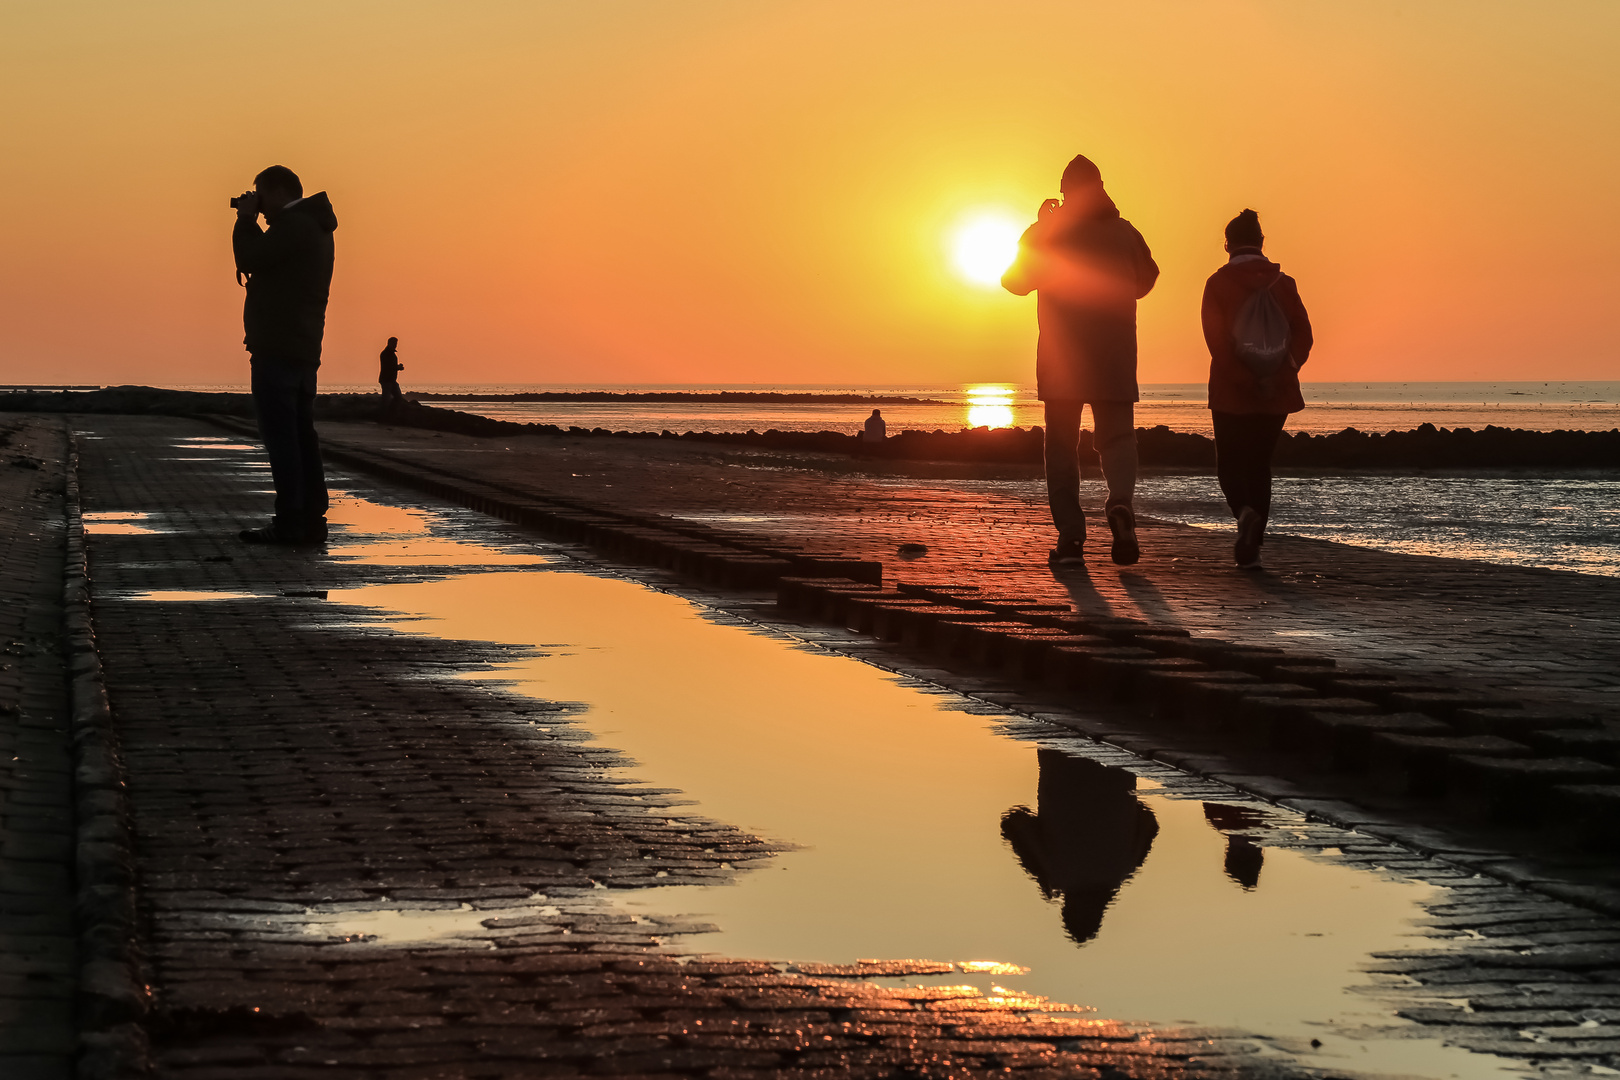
984	246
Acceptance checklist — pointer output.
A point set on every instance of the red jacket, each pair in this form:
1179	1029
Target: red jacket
1233	387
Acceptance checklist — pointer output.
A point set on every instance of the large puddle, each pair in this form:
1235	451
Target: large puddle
925	832
1037	865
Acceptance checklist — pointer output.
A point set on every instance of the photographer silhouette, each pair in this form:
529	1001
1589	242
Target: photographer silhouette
287	271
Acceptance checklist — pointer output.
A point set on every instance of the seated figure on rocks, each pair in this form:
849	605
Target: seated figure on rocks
876	429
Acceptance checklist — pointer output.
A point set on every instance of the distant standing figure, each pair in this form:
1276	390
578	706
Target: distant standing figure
1259	336
388	375
1088	267
877	429
287	270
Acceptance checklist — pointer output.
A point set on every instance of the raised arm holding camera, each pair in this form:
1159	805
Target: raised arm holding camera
287	270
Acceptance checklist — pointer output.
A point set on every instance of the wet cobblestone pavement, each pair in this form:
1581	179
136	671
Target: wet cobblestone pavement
284	758
307	778
37	949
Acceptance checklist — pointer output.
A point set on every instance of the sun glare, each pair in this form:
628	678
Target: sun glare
984	246
990	406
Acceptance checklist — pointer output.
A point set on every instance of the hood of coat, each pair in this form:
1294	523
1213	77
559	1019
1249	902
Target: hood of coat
1092	205
318	207
1251	269
1073	220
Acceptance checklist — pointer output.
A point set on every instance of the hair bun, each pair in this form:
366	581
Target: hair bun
1244	230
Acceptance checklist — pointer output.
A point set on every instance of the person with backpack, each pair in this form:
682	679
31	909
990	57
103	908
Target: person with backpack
1259	336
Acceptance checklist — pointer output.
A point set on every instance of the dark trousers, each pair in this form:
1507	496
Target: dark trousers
284	399
390	391
1115	440
1244	443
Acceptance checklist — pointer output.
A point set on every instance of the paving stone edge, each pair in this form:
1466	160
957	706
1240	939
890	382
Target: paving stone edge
111	1000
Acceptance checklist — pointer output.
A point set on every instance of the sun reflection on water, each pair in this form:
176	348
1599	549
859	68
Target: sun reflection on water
990	406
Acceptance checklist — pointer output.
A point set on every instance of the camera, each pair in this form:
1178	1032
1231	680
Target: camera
236	202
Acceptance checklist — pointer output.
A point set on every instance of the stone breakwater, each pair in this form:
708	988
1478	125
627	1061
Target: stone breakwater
1426	447
687	397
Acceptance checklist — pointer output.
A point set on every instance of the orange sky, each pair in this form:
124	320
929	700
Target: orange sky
762	191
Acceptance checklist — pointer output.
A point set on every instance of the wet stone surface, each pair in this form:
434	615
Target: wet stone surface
363	855
293	771
37	948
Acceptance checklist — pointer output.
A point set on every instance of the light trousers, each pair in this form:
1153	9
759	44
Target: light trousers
1115	439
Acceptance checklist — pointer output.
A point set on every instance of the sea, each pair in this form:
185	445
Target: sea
1564	520
1330	407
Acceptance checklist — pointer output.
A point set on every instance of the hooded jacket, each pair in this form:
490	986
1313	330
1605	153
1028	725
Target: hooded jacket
1088	835
1233	387
289	275
1088	269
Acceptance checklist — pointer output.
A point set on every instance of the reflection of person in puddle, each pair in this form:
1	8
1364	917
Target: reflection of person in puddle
1244	857
1086	838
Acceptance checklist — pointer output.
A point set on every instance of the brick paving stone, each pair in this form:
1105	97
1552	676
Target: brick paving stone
36	809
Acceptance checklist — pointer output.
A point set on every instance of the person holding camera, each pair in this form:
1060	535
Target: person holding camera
287	270
1259	336
1088	267
388	369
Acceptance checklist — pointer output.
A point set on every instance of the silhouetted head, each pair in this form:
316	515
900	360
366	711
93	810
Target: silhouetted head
1243	231
392	342
1083	194
876	413
1080	174
277	186
1083	910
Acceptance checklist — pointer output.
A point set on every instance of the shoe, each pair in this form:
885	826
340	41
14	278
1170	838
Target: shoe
1251	533
1069	550
315	532
267	535
1122	522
